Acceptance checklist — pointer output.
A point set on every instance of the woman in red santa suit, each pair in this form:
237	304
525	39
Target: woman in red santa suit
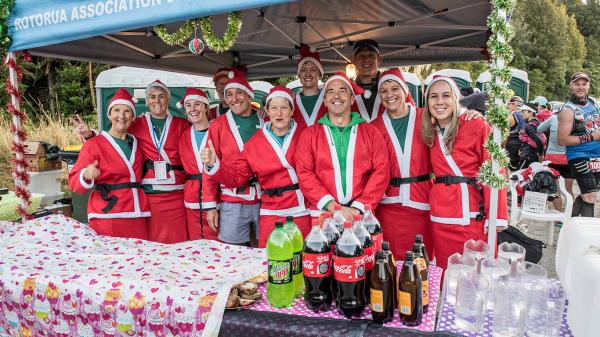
269	155
309	105
110	165
459	203
404	210
191	144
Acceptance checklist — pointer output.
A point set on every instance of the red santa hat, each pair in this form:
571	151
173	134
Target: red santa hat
395	74
158	84
310	54
221	72
453	86
193	94
237	80
283	92
122	96
356	89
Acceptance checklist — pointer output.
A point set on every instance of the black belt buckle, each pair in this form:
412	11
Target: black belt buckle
446	180
277	192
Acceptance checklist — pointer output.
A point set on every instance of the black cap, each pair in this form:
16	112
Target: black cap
379	255
577	76
385	245
289	218
278	224
419	238
366	43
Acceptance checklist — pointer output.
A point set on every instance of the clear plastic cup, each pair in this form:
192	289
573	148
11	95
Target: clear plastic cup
510	309
456	263
512	253
494	270
471	301
477	249
530	274
547	300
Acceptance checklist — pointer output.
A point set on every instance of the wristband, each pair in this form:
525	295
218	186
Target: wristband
585	138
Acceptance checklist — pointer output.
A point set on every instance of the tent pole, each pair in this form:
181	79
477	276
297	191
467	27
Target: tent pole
19	175
324	38
276	28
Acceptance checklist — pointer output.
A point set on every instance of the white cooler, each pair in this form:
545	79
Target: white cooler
574	240
48	184
584	301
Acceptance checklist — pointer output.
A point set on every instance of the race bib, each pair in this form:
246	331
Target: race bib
594	164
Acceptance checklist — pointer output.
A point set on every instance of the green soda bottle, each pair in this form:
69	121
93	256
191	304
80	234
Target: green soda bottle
280	289
295	236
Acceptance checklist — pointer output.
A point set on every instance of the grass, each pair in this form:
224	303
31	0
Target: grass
49	127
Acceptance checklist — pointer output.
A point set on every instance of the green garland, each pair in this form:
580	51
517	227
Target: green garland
219	45
6	7
178	37
501	53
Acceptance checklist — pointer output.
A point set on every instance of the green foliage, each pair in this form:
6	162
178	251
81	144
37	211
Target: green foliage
547	45
73	93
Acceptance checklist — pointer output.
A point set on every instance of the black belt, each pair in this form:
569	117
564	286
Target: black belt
194	176
112	200
449	180
397	181
251	182
149	165
278	191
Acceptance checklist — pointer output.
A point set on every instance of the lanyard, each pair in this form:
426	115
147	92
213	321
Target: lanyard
162	137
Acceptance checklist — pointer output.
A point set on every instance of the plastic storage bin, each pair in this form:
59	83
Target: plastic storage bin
584	300
46	182
575	239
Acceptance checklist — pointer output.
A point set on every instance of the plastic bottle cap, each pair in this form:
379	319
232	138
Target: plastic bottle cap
419	238
289	218
278	224
409	256
327	215
316	222
385	245
347	224
368	207
416	247
357	217
337	207
379	255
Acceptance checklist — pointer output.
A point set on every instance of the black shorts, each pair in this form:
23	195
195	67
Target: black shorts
587	180
563	170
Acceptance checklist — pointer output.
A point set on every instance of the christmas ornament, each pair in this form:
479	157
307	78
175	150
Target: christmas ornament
196	46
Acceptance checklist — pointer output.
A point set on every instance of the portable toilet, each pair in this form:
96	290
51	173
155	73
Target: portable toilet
415	86
136	79
261	91
519	82
296	86
461	77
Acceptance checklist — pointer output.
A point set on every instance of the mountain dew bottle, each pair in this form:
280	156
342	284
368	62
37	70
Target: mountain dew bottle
280	289
295	236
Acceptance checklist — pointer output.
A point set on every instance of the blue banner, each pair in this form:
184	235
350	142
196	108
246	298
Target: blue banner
37	23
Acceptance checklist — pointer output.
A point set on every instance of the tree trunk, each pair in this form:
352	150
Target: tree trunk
51	94
91	83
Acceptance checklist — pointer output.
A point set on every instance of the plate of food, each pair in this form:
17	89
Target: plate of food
243	295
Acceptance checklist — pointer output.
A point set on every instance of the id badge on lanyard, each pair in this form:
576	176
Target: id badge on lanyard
160	166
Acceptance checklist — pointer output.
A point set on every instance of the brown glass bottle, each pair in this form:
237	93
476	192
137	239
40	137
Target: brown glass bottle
410	304
419	240
391	263
381	291
424	271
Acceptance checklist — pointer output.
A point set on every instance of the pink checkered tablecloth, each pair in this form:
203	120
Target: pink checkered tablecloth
299	308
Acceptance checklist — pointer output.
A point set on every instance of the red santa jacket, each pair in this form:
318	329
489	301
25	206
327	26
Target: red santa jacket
300	115
273	166
169	152
114	168
189	152
457	204
367	167
224	134
359	105
413	161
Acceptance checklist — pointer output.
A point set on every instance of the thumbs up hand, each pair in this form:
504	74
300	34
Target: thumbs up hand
209	156
91	171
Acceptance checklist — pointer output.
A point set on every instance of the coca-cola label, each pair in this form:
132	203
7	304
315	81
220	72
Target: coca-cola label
297	263
280	271
349	269
377	241
316	265
369	258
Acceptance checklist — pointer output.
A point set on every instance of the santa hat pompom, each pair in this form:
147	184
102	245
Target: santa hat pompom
231	74
134	100
178	105
367	94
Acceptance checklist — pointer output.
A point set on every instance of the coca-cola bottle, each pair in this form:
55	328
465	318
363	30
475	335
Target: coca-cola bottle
316	267
367	243
332	235
349	273
338	217
373	227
